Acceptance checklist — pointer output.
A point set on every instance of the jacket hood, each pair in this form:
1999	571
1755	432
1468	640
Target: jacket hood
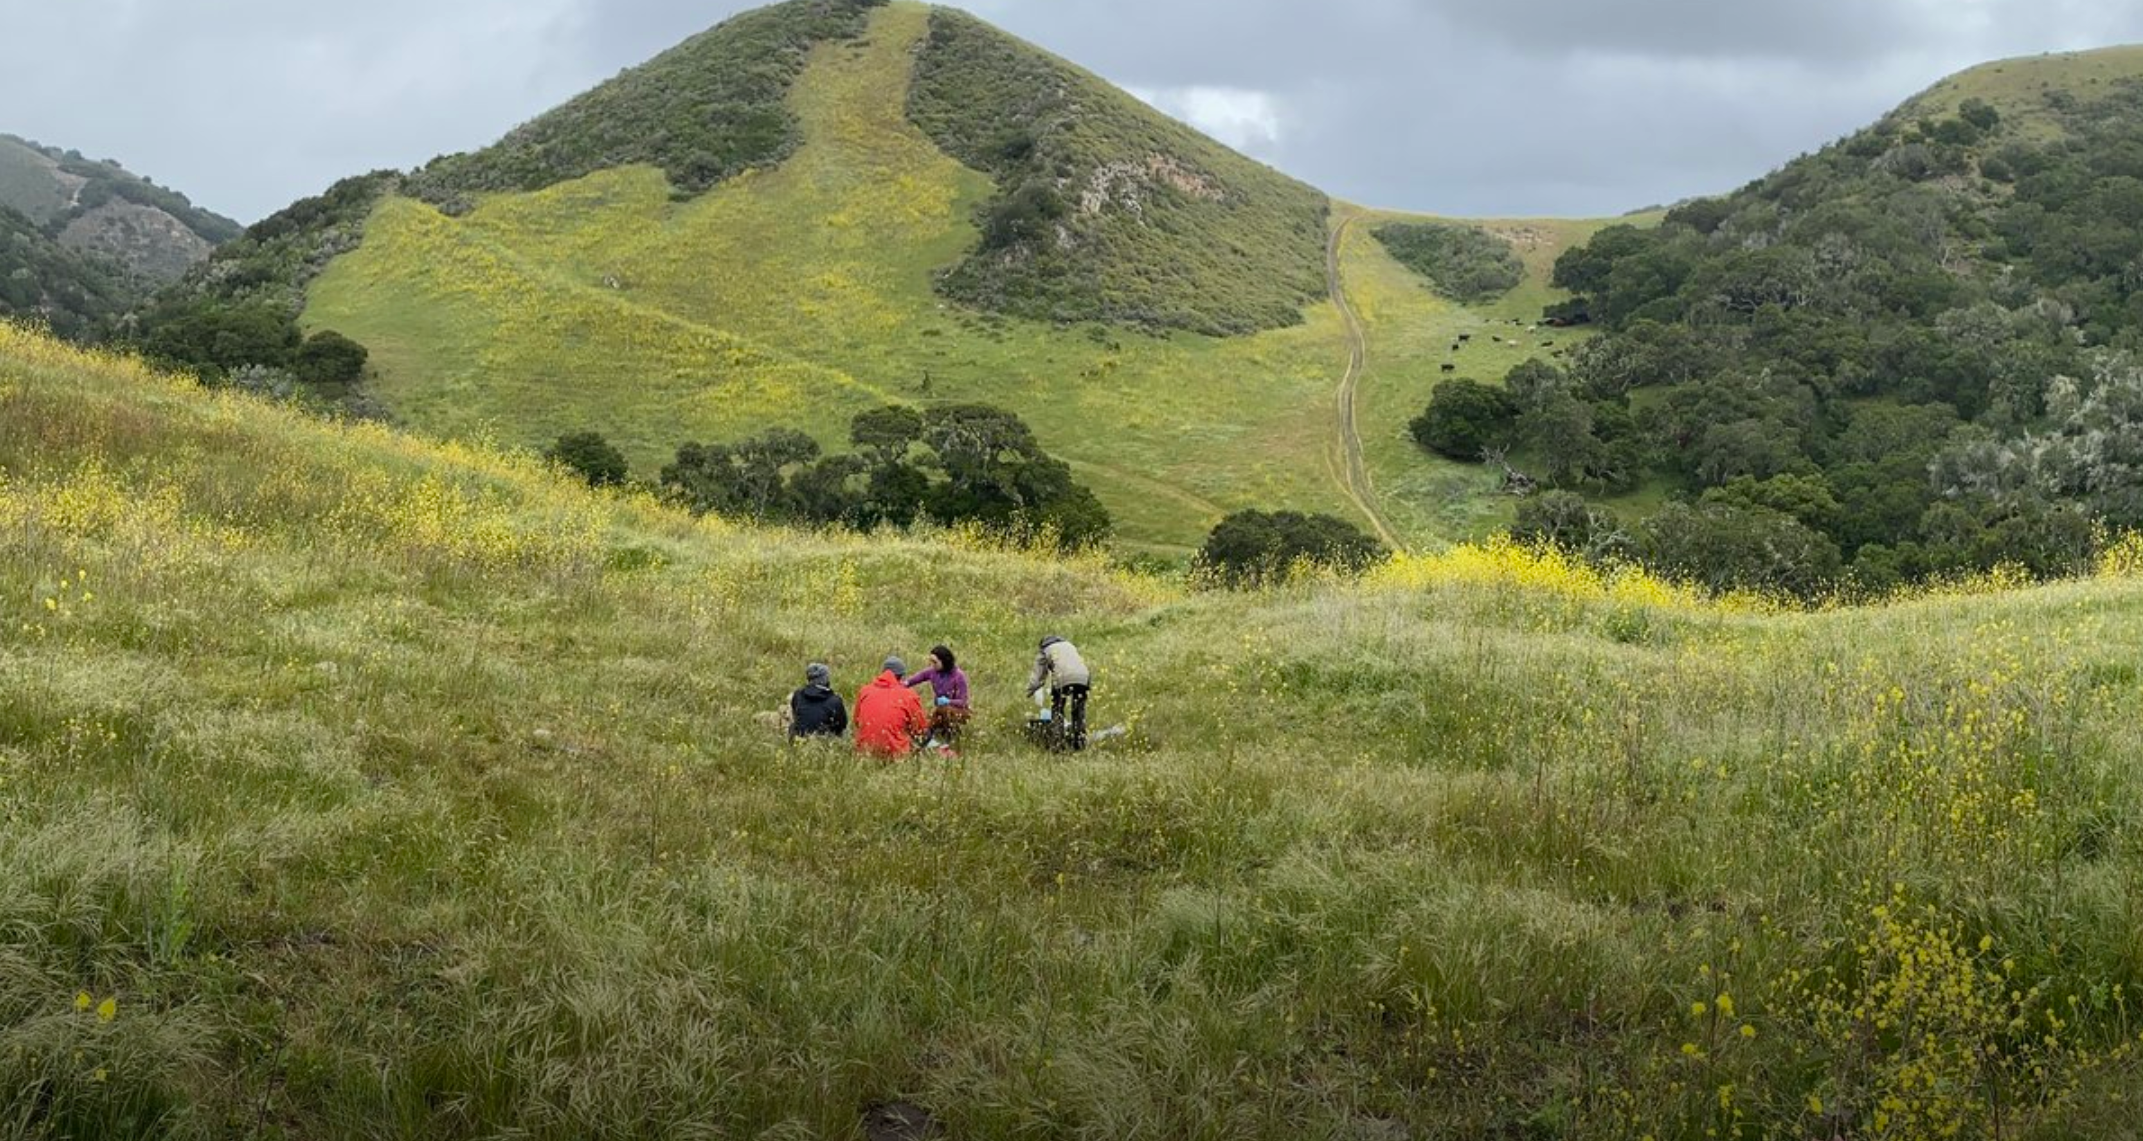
816	693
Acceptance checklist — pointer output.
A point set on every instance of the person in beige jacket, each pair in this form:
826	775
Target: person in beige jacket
1060	667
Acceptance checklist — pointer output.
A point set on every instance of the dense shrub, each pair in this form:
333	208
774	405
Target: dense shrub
591	457
994	472
1465	263
1257	547
1464	418
1866	354
42	281
329	358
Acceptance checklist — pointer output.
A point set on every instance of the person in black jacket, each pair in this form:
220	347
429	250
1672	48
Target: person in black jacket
816	710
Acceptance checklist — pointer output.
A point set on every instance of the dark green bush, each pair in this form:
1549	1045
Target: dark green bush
1464	418
1464	263
590	456
1259	548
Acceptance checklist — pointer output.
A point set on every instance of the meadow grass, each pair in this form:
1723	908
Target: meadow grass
357	786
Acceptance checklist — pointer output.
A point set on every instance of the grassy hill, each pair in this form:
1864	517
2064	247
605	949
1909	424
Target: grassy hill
2030	90
800	295
1413	331
355	786
702	112
1107	210
828	270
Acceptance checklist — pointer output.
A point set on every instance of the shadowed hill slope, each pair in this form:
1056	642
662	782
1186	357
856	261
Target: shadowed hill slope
102	211
1107	210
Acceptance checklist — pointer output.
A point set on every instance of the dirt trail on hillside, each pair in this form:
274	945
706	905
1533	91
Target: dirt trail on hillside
1352	471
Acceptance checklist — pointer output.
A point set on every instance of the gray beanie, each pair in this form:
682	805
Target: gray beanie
894	665
818	674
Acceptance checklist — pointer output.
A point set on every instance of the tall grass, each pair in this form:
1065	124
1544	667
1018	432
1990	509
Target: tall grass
355	786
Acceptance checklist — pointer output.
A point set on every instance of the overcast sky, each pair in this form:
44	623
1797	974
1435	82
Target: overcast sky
1479	107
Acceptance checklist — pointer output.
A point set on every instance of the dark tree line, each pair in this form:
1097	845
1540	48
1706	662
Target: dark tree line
963	463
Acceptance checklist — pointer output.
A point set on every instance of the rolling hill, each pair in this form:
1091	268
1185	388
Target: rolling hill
864	234
900	204
353	785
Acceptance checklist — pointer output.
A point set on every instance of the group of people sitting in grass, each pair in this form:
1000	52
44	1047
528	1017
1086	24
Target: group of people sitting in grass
891	721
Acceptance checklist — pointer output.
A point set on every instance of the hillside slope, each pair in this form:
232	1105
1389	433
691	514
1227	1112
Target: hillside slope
849	257
42	281
1107	210
102	211
1911	354
799	296
365	787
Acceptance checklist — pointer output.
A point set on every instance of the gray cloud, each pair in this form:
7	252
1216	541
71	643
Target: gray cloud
1458	106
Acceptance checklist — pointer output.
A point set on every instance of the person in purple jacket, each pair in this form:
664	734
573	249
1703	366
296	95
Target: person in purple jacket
949	683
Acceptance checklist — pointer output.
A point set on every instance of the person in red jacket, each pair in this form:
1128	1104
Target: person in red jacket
889	716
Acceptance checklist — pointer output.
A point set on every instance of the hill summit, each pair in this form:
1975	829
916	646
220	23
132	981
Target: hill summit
810	211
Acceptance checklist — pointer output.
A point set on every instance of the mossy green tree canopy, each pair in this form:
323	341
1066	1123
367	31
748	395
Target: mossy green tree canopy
1108	210
1926	324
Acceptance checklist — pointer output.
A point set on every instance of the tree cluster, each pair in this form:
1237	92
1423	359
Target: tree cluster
965	463
1465	263
1910	355
1257	548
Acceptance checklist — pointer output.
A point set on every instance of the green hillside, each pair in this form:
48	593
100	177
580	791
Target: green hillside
800	295
43	281
354	786
2030	91
1107	211
1413	331
1909	355
859	257
702	112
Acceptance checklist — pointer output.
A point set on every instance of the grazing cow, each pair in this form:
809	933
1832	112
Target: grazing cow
1464	337
1455	348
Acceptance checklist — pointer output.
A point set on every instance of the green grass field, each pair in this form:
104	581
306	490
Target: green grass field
356	786
803	294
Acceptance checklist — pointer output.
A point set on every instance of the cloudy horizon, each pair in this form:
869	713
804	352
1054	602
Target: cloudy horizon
1462	107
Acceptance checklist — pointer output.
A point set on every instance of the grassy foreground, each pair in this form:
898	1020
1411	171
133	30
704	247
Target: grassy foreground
357	787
